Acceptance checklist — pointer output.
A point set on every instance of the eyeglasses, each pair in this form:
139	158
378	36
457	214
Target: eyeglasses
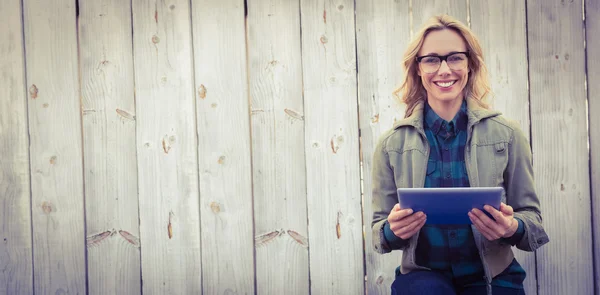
431	63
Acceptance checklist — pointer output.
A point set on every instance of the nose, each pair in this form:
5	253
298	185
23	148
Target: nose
444	68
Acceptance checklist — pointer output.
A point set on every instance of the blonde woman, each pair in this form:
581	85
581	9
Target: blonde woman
450	138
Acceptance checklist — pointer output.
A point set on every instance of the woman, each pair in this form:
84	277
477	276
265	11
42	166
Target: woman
450	138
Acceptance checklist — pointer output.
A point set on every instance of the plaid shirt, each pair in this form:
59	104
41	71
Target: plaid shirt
451	249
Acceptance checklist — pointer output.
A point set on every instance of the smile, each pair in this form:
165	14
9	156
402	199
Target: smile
445	84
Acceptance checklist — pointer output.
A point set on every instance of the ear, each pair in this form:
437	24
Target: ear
418	71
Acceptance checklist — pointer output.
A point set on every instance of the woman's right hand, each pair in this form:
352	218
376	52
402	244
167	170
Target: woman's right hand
404	223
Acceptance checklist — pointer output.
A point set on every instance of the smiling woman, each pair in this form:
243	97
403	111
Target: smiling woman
450	138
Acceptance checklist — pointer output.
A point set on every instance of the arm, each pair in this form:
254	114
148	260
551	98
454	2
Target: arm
384	198
521	195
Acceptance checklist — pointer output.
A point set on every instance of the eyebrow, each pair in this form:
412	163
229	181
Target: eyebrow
437	54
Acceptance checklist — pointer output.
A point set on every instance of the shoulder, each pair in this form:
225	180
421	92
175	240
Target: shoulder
400	138
501	128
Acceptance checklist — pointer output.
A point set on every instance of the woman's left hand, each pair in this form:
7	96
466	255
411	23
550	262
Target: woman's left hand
504	226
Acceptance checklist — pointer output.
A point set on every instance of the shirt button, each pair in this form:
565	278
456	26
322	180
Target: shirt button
452	235
448	175
446	148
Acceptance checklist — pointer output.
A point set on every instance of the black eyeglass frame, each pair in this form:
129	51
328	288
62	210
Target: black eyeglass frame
441	57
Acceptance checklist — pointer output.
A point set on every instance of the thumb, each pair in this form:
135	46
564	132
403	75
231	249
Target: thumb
506	209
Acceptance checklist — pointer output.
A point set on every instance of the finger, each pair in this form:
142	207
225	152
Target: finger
500	218
397	224
410	227
498	226
401	214
398	213
417	227
483	228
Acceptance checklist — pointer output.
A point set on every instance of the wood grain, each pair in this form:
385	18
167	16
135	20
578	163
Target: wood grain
15	204
166	147
382	34
592	32
505	52
559	141
55	147
224	149
279	170
332	147
423	10
109	144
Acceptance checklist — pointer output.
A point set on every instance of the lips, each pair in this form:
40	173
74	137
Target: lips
445	84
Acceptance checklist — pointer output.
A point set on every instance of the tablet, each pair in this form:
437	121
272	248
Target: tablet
449	205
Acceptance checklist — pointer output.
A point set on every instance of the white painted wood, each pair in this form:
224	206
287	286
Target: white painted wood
16	262
559	142
382	34
332	147
422	10
166	148
592	31
224	147
55	147
505	52
112	222
278	160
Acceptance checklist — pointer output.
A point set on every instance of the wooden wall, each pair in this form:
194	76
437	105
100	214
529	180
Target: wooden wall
224	147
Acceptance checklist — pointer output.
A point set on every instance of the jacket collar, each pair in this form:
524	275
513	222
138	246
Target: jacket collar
475	113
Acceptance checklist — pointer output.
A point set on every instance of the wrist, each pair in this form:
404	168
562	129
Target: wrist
513	229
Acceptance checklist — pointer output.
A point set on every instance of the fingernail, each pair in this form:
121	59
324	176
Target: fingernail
410	211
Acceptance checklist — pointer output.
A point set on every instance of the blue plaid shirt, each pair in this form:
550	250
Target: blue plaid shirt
451	249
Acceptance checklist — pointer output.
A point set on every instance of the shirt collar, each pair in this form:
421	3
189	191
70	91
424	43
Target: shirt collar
434	122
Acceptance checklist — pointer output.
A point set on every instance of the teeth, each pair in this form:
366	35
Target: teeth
445	84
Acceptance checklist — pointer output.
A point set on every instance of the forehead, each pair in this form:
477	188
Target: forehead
442	42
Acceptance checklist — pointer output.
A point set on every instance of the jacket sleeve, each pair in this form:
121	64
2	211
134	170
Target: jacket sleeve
384	198
521	194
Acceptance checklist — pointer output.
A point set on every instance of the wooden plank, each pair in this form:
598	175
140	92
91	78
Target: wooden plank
332	147
279	170
166	147
224	150
15	221
55	147
559	141
592	31
423	10
112	221
505	52
382	31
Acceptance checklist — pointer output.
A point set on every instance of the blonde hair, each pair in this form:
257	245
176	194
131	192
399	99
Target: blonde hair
412	90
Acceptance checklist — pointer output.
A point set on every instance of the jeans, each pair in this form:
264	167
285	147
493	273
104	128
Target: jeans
433	283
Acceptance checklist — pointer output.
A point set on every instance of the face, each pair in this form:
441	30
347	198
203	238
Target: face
445	85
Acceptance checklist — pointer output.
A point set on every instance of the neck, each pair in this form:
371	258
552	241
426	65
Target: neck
445	109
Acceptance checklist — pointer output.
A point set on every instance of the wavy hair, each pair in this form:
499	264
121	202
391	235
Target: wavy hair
478	85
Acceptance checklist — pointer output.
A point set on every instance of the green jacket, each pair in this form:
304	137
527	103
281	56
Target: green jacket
496	154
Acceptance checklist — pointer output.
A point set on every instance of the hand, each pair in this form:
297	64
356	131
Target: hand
504	226
404	223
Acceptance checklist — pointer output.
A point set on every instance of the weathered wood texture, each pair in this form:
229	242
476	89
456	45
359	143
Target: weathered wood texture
16	263
559	142
112	222
166	147
423	10
55	147
279	170
505	52
224	149
592	29
382	33
332	147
